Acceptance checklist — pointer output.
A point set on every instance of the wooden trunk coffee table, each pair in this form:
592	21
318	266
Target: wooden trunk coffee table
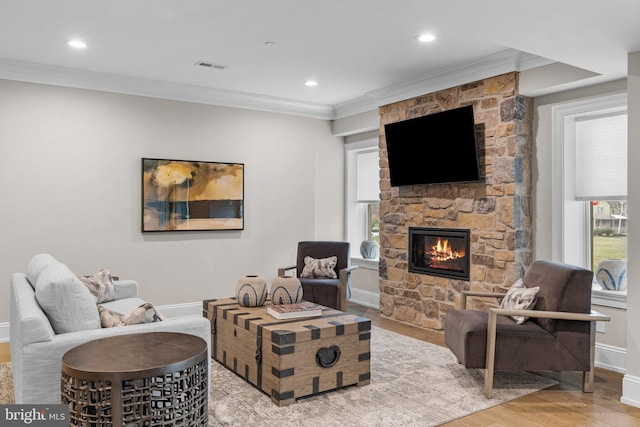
290	358
150	379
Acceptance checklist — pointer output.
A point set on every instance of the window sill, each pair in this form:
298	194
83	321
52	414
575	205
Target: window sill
369	264
600	296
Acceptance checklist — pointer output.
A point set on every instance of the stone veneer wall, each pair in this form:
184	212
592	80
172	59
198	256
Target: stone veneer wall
497	210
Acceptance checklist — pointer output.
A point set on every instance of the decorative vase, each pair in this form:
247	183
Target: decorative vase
369	249
611	274
251	291
286	290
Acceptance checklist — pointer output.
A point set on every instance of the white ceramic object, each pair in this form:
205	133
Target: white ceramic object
251	291
286	290
611	274
369	249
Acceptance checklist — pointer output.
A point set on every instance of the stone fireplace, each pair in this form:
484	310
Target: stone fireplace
496	211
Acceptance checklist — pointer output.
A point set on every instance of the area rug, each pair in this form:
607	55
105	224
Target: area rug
413	383
6	384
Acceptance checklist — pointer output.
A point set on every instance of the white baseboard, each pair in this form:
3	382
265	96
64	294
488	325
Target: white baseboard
631	390
181	310
366	298
4	332
611	358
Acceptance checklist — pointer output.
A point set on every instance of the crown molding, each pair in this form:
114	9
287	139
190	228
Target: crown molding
80	79
528	61
500	63
355	106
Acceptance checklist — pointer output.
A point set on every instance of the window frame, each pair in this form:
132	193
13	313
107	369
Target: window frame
356	213
571	218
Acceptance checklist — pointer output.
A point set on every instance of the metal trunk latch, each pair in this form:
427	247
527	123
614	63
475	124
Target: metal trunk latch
327	357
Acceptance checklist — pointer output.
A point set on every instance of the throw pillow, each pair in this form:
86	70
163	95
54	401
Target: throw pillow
100	285
322	268
519	297
110	318
65	300
146	313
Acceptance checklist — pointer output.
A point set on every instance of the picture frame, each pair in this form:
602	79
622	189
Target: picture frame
186	195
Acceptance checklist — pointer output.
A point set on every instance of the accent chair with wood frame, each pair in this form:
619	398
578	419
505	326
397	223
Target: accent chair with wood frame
325	291
560	334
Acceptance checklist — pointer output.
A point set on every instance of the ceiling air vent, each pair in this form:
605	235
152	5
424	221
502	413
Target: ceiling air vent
210	65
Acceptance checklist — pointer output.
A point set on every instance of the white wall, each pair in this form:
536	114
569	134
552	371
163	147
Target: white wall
631	382
365	283
70	164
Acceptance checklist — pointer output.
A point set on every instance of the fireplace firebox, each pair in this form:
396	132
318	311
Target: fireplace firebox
440	252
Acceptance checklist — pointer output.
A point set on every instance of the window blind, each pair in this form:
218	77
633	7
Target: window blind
601	157
368	177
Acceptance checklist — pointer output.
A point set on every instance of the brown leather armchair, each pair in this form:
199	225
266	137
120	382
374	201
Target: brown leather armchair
559	335
328	292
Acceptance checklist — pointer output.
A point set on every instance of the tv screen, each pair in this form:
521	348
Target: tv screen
438	148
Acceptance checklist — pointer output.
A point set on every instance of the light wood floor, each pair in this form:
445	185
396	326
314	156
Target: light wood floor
562	405
4	353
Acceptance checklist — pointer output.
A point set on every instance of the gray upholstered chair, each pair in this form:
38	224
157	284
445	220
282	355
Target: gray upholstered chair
559	335
324	291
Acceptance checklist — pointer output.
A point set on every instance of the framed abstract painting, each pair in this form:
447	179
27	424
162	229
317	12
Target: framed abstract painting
182	195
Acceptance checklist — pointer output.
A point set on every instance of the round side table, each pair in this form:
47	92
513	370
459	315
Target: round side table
147	379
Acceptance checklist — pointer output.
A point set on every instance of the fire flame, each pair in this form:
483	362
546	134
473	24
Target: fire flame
443	252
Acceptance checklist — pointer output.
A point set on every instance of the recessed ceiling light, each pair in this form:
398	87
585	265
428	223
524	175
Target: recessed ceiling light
428	37
311	83
77	44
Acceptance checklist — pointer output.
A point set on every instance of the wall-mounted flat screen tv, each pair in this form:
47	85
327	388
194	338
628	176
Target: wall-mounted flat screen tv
433	149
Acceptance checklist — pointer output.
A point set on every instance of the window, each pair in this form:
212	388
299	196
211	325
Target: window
601	180
373	222
608	231
362	193
589	208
